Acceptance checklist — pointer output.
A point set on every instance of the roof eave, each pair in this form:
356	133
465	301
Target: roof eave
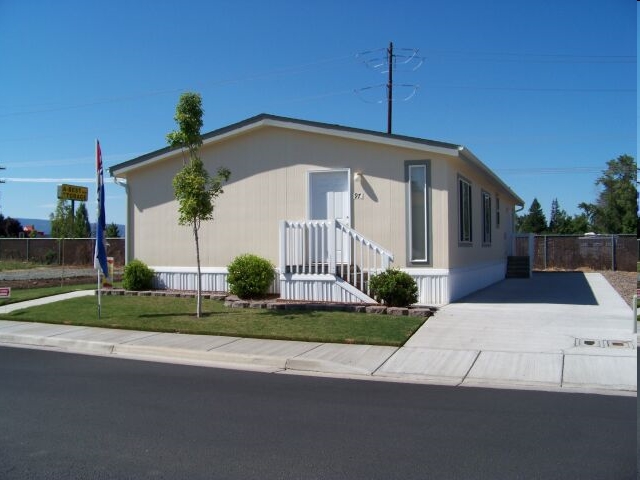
468	155
266	120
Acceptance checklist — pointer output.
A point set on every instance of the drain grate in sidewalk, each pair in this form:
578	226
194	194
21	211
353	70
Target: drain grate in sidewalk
592	342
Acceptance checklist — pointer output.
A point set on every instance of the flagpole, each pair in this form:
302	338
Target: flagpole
99	295
98	223
100	254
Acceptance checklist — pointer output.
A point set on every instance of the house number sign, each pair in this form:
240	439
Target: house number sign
358	196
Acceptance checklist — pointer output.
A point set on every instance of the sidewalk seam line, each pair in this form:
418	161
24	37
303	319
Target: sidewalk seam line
464	377
385	361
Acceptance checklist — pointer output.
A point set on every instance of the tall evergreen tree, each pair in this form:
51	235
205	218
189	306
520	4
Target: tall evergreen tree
559	221
112	231
534	221
81	225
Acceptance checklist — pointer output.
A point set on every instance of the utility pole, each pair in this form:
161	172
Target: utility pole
389	60
390	86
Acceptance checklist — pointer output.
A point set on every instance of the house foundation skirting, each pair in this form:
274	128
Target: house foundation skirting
436	287
214	279
440	286
320	288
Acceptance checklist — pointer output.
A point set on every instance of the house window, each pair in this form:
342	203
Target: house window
486	218
497	212
418	211
464	206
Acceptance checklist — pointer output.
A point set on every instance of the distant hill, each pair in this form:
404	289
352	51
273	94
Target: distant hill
45	225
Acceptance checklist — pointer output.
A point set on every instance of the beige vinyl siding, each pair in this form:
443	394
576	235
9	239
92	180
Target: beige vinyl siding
269	174
477	252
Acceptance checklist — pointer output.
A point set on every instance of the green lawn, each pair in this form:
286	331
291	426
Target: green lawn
24	294
163	314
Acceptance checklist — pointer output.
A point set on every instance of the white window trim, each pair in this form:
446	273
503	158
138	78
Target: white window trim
425	199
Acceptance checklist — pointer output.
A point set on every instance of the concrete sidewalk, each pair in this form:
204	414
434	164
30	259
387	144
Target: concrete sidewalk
517	334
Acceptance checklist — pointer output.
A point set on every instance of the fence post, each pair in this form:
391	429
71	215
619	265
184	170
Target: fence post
545	252
332	246
531	245
27	249
283	246
635	313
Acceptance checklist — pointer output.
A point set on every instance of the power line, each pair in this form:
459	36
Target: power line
390	60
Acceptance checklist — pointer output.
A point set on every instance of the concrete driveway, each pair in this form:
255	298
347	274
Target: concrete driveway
554	330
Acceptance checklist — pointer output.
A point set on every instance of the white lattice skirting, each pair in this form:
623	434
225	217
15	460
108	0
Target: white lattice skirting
435	286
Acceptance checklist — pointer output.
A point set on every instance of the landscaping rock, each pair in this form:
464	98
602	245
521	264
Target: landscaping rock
399	311
218	296
257	304
356	308
294	306
420	312
376	309
240	304
276	306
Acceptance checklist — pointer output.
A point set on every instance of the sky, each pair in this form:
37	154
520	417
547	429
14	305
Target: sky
543	92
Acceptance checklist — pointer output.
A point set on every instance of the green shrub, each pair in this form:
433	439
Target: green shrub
250	276
394	288
137	276
51	257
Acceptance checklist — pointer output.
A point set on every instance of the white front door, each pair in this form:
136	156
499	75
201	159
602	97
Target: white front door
329	199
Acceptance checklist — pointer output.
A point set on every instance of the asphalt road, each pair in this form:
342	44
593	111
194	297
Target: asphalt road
73	416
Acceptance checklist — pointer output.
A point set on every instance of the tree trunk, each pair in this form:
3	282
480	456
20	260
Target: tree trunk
199	286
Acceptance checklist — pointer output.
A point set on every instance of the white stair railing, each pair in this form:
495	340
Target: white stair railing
328	246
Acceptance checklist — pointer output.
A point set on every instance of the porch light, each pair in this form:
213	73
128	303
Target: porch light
357	176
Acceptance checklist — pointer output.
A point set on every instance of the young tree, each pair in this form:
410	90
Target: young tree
81	224
616	209
194	189
112	231
534	221
61	220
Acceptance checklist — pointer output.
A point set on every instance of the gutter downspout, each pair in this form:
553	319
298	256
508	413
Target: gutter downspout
125	185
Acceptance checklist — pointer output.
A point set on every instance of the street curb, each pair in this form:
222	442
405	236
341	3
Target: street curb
206	355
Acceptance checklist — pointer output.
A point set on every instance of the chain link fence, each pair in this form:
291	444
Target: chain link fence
58	251
573	252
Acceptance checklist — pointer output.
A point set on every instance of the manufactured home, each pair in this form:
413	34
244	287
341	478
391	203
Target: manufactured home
329	206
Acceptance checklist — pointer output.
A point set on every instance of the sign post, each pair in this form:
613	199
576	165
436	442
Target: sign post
73	193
